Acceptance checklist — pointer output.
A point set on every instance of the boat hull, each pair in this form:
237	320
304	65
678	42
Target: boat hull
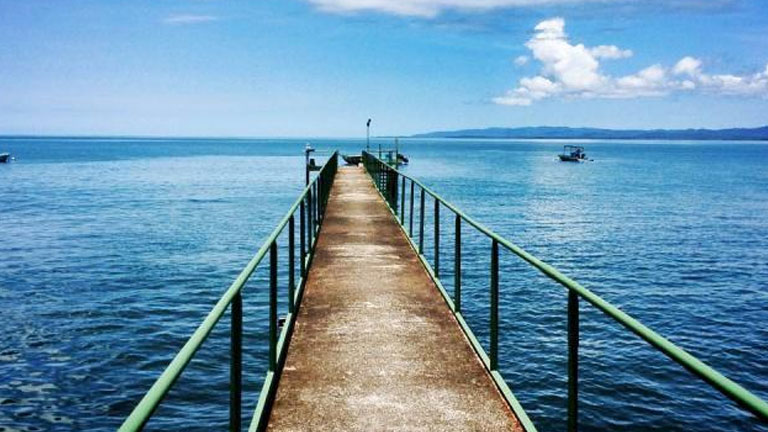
352	159
4	157
566	158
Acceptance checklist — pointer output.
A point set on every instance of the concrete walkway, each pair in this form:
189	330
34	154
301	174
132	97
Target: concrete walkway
375	347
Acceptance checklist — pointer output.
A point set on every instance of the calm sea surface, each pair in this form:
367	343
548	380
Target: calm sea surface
113	250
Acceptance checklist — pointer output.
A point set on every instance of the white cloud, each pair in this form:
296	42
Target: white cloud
521	60
432	8
573	71
687	66
610	52
189	19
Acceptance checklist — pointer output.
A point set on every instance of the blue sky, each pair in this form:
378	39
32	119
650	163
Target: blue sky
322	67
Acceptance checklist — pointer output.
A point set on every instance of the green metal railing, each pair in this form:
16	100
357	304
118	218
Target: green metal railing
311	206
387	180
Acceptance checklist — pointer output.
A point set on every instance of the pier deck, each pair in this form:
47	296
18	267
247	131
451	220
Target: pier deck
375	347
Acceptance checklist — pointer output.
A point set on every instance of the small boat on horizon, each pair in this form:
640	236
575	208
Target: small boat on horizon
572	153
5	157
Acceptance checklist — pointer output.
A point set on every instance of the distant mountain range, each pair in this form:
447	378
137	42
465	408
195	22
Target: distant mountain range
545	132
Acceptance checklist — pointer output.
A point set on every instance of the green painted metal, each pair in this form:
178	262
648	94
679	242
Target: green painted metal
410	214
573	361
494	339
402	202
504	389
457	265
421	223
236	363
273	306
732	390
437	238
291	264
302	242
231	299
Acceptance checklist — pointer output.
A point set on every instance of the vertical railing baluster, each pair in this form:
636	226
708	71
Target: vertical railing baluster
236	363
437	238
402	202
319	189
393	187
310	233
494	355
273	306
315	210
573	361
303	240
410	213
291	263
457	266
421	224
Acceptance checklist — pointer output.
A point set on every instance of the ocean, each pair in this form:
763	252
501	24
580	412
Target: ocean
114	249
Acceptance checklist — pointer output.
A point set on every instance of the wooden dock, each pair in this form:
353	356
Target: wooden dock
375	346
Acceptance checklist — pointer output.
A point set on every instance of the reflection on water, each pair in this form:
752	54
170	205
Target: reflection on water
114	250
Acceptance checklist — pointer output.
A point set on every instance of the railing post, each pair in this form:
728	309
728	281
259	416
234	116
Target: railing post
494	354
437	238
291	263
421	224
410	213
302	240
402	202
393	187
316	204
273	306
236	363
310	227
573	361
457	268
319	190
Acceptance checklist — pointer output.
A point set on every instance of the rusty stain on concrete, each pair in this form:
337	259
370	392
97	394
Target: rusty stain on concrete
375	347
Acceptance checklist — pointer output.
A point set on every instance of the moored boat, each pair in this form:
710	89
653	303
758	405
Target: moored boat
573	154
352	159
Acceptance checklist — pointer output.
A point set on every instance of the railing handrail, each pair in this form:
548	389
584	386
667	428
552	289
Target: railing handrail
154	396
726	386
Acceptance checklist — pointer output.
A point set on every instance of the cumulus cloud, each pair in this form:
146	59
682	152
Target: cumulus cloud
573	70
610	52
189	19
521	60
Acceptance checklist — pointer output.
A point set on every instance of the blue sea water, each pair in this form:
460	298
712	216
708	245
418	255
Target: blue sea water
113	250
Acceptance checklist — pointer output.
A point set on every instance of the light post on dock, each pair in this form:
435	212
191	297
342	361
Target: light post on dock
307	150
368	136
